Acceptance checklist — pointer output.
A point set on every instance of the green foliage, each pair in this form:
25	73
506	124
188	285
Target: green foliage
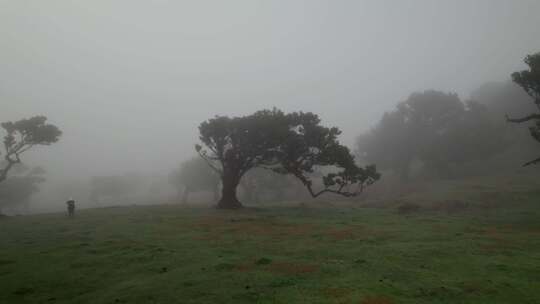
293	143
22	135
529	80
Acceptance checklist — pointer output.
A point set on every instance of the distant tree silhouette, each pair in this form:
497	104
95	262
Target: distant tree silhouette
259	183
529	80
433	127
293	143
388	145
194	175
23	135
18	189
472	135
502	98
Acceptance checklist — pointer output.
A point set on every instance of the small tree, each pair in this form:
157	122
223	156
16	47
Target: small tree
194	175
529	80
293	143
22	136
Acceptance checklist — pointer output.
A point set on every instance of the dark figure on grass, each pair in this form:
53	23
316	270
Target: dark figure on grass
71	207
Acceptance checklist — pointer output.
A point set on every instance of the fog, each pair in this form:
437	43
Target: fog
128	82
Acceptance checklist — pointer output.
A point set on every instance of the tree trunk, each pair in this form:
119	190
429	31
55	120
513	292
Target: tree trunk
4	172
228	192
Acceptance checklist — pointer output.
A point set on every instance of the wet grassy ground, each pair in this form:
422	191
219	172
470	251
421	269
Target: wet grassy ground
345	254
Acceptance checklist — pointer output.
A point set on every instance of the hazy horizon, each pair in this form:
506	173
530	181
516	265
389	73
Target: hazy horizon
128	82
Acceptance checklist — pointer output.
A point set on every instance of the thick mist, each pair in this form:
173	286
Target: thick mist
128	82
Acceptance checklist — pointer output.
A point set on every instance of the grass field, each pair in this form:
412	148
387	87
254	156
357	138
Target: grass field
485	250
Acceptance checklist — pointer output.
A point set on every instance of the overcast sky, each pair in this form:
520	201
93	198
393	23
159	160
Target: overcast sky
129	81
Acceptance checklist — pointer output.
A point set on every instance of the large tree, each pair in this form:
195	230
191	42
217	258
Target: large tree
529	80
293	143
23	135
194	175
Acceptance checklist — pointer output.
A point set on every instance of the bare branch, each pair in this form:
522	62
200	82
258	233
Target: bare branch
532	162
339	191
209	162
23	149
328	190
523	119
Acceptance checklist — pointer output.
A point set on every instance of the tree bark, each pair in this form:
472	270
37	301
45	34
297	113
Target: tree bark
228	192
523	119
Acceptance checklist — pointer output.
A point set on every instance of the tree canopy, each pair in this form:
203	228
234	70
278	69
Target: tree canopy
23	135
502	98
293	143
433	127
529	80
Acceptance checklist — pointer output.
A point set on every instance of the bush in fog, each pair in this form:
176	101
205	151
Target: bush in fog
529	80
19	188
23	135
194	175
435	128
293	143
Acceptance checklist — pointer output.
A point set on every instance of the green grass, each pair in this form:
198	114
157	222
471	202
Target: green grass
169	254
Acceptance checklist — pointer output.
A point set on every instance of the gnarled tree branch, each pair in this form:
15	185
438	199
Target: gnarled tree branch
206	158
523	119
532	162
